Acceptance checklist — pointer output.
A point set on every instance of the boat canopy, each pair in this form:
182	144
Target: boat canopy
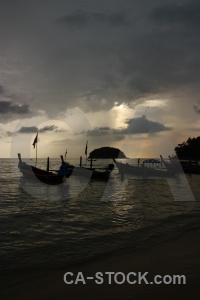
151	161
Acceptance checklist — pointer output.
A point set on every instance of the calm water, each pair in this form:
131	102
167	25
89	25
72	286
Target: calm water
52	226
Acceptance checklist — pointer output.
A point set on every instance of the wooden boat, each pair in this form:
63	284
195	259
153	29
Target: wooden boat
143	171
190	168
186	166
91	173
32	172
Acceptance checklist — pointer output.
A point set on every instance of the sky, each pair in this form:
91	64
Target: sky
114	73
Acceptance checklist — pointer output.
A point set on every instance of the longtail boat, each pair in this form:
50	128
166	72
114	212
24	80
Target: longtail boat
90	172
45	176
143	171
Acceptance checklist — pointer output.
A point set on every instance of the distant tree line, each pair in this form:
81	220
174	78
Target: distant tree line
189	149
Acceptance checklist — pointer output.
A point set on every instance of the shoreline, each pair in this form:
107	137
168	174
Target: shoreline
178	256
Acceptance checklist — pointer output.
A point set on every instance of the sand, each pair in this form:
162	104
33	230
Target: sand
177	256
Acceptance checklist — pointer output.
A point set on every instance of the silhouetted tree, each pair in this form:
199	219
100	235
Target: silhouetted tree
107	152
189	149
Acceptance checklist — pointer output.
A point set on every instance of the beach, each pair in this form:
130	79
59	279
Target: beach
180	255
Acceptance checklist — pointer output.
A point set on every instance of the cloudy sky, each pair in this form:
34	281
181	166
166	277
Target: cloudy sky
116	73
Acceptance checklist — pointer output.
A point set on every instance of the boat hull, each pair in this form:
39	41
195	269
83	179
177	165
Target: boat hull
46	177
91	173
142	171
186	166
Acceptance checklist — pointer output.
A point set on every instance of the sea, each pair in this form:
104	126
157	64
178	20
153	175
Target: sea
54	226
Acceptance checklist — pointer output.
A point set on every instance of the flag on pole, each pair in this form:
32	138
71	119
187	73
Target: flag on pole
35	140
86	148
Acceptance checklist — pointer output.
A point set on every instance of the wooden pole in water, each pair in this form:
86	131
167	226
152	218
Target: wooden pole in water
62	159
19	156
162	161
80	161
91	163
47	164
86	150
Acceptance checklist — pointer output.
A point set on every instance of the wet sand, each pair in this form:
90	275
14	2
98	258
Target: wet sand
177	256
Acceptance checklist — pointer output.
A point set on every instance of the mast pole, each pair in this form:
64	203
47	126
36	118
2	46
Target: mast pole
86	150
36	156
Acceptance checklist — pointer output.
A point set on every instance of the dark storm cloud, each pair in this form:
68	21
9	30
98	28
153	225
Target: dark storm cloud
197	108
28	129
160	59
139	125
34	129
80	19
166	57
174	15
77	19
7	107
1	90
122	51
51	128
11	108
143	125
98	131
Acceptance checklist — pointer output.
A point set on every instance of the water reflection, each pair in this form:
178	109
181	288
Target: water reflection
58	224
